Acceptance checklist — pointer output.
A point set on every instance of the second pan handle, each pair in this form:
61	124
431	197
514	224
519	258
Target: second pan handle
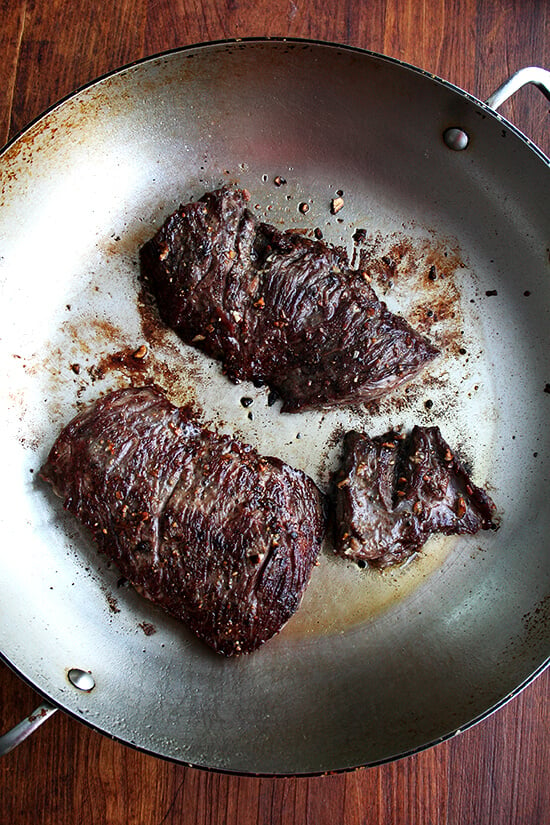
18	734
530	74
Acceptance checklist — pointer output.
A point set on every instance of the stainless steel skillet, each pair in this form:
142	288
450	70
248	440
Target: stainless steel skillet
371	667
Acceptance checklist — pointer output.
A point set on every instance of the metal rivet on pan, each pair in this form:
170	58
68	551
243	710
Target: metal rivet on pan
81	679
456	139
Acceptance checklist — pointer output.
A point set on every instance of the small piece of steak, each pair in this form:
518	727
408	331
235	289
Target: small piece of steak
393	492
277	307
198	522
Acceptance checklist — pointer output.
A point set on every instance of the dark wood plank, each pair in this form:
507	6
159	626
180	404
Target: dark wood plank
514	37
12	16
508	756
495	773
64	45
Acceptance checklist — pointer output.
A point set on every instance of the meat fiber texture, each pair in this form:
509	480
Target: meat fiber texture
277	307
393	492
216	534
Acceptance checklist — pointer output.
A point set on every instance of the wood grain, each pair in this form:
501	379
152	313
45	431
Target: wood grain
495	773
498	771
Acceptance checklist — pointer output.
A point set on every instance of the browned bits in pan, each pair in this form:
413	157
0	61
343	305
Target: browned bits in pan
140	353
460	507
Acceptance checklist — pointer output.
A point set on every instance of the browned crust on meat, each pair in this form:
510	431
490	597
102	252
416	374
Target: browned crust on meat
216	534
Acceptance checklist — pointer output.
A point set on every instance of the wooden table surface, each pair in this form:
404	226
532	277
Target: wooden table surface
497	772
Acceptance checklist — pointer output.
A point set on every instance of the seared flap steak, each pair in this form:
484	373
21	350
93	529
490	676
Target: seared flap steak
277	307
393	492
216	534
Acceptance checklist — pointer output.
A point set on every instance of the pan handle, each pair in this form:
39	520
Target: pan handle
530	74
80	679
19	733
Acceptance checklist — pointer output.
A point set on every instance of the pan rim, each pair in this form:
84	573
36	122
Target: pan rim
284	774
236	41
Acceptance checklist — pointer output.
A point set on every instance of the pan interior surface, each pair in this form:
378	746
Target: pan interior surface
373	665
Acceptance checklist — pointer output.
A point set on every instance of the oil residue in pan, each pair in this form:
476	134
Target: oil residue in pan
111	336
341	595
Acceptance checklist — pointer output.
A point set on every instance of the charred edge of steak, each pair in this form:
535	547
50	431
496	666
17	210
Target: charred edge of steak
216	534
277	307
392	492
